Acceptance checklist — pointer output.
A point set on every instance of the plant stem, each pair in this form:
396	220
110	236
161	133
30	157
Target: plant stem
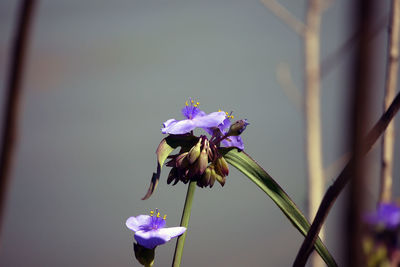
184	222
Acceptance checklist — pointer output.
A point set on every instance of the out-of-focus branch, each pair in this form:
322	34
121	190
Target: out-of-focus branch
285	80
333	58
390	89
12	98
285	15
313	112
347	173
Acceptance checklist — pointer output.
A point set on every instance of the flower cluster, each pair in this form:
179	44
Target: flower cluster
199	159
202	162
194	165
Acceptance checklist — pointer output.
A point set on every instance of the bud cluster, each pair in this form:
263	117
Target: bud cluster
201	163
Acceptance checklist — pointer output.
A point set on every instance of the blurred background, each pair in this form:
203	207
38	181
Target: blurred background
101	78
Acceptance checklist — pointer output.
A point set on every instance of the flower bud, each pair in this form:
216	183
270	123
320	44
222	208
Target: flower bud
173	174
144	255
237	128
181	160
220	179
194	152
212	176
206	177
202	161
222	166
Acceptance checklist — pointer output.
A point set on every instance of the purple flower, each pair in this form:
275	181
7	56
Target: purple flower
150	231
195	118
231	141
387	215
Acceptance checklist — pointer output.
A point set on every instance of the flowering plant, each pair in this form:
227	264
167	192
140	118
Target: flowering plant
200	161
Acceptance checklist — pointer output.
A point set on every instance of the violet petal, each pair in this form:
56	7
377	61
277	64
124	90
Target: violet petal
139	222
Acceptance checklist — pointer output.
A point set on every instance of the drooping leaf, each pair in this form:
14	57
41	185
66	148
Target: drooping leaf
166	146
264	181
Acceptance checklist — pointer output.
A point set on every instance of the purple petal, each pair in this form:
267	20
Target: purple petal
139	222
210	131
180	127
225	125
172	231
151	239
233	141
208	121
168	124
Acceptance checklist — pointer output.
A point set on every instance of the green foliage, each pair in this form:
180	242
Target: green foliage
264	181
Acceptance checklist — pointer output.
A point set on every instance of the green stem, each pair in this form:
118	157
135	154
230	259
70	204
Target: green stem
184	222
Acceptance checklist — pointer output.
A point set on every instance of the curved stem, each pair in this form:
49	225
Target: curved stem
184	222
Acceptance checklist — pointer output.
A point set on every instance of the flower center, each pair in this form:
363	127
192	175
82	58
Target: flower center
190	111
228	115
157	220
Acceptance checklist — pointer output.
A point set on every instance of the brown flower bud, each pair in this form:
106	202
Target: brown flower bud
194	152
237	128
182	161
206	177
173	174
222	166
202	161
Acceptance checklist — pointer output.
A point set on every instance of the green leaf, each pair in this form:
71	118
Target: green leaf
166	146
264	181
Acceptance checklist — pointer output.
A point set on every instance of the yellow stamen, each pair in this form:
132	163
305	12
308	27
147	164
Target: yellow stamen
232	117
158	215
165	217
227	113
197	103
152	213
192	101
219	110
186	103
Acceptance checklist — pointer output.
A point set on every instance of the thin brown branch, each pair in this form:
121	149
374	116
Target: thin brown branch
285	15
390	90
340	182
12	98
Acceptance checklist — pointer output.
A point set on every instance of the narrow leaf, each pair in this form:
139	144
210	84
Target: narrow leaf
166	146
264	181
